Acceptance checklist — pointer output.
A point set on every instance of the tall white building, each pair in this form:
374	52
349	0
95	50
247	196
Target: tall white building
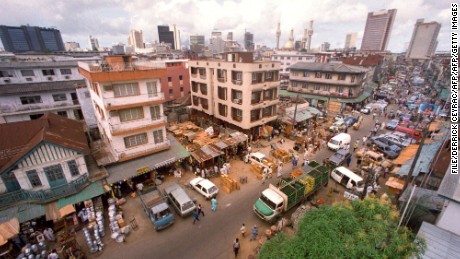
216	43
93	43
378	30
325	46
71	46
350	40
424	40
136	39
237	90
128	102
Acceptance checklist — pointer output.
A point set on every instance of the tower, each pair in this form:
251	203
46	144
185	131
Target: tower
377	31
310	34
278	34
304	38
424	40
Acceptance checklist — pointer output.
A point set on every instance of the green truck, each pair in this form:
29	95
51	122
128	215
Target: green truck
275	200
154	203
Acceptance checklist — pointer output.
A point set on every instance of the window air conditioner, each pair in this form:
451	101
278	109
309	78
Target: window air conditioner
50	78
67	77
6	80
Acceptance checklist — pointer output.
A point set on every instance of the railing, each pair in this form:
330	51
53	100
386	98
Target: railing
237	118
35	107
221	79
126	154
132	99
237	82
94	67
135	124
44	196
203	76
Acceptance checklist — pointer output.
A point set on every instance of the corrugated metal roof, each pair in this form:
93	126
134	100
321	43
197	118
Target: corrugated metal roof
40	87
422	165
220	145
239	136
24	212
428	199
121	171
328	67
91	191
450	186
440	243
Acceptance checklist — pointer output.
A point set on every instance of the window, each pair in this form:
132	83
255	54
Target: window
31	99
222	109
339	89
155	112
255	115
180	77
171	91
300	58
282	58
269	75
305	85
254	77
120	90
328	76
59	97
27	73
73	168
29	79
152	89
54	172
33	178
62	113
169	79
341	77
288	58
48	72
237	114
135	140
181	89
4	73
317	87
305	74
237	96
158	136
222	93
66	71
353	78
318	75
131	114
326	88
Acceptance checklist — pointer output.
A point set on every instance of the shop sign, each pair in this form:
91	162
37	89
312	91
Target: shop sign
143	170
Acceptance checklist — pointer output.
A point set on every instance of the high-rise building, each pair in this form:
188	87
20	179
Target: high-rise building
169	34
93	43
197	43
249	41
325	46
236	90
378	29
118	48
31	38
424	40
71	46
128	103
350	40
216	43
278	34
310	35
230	36
136	39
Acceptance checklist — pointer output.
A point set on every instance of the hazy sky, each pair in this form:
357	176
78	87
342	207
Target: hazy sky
110	20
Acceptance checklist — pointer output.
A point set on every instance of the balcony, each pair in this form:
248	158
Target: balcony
122	102
221	79
237	118
203	76
142	151
95	67
237	82
44	196
39	107
194	75
136	125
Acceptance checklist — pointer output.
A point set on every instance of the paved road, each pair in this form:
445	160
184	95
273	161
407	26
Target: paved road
213	235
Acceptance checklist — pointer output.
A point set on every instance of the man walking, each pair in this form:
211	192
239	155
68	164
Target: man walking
243	230
236	247
200	210
214	204
254	233
348	161
195	216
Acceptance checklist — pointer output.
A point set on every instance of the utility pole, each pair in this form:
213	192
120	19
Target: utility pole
419	150
295	113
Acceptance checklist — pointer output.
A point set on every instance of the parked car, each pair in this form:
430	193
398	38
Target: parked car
397	140
339	157
366	110
392	124
205	187
387	150
337	126
349	121
339	117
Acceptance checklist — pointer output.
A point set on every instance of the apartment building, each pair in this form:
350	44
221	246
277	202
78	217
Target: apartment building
29	89
328	79
176	83
128	102
236	90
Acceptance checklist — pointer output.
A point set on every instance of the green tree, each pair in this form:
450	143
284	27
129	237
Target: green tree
359	229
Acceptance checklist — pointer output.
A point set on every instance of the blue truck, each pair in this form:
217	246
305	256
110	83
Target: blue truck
155	206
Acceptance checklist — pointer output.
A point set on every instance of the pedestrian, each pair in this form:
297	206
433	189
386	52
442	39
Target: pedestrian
200	210
348	161
355	146
203	173
243	230
254	233
359	160
195	216
387	170
280	170
53	255
249	149
364	140
373	116
264	176
236	247
214	204
246	158
306	155
305	162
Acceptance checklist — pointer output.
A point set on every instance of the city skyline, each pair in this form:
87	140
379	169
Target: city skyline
110	21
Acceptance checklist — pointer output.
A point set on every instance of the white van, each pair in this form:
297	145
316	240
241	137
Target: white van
347	178
341	140
180	200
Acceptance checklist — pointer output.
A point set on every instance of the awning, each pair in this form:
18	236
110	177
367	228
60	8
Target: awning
52	212
219	145
93	190
239	136
395	183
8	230
306	96
427	154
406	154
128	169
23	212
206	153
425	198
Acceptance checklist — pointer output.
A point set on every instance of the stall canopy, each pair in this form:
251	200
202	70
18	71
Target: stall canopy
423	162
239	136
219	145
406	154
206	153
23	212
425	198
121	171
93	190
53	212
8	230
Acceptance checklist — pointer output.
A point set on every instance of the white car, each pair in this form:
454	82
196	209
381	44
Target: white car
338	126
205	187
366	110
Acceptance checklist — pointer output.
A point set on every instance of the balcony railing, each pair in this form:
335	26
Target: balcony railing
44	196
203	76
237	82
221	79
136	124
37	107
237	118
133	99
127	154
95	67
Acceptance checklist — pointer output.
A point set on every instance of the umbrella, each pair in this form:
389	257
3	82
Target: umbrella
8	230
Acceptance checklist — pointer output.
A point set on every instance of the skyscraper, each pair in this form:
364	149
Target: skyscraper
169	34
197	43
378	29
424	40
136	39
325	46
93	43
216	43
249	41
30	38
350	40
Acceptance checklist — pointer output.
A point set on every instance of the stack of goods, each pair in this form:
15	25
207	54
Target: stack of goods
255	168
34	251
100	223
92	246
97	238
282	155
228	183
309	183
296	173
114	226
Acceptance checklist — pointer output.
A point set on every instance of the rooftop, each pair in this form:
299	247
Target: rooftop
40	87
328	67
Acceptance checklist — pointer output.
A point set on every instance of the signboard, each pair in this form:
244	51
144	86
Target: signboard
143	170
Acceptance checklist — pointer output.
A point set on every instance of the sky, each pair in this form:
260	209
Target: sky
111	20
